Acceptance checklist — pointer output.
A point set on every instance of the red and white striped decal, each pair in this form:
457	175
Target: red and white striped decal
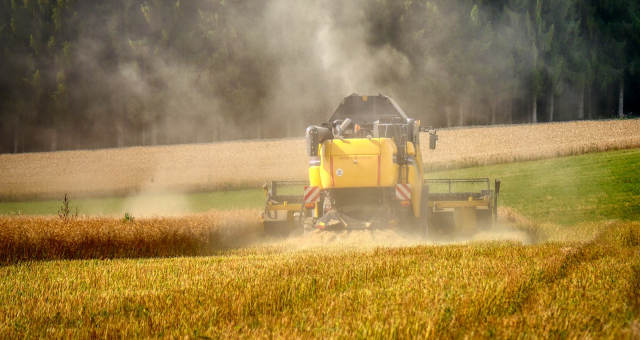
311	194
403	192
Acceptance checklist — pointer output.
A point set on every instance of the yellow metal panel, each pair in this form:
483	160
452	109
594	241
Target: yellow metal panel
314	176
358	162
415	180
359	146
355	170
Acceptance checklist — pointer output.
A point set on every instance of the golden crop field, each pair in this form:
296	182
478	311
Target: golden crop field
25	238
585	286
212	166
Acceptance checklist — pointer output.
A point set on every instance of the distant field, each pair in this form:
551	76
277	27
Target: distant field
150	204
206	167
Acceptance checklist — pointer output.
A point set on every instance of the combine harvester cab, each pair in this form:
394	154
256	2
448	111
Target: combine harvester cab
366	172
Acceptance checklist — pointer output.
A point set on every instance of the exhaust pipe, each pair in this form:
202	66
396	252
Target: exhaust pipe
316	135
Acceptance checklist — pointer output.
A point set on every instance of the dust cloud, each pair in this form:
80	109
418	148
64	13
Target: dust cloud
289	65
154	204
269	69
368	239
148	201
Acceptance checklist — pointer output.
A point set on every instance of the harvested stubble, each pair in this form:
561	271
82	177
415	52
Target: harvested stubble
219	165
38	238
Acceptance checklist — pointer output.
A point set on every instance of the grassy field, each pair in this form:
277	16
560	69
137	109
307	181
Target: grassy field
150	204
580	279
567	190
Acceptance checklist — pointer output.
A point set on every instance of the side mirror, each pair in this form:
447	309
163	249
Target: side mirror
433	138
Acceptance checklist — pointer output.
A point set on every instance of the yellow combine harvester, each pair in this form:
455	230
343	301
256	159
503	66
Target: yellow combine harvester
365	172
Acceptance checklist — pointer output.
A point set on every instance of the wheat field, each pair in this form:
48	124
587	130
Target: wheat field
28	238
250	163
571	289
25	238
467	147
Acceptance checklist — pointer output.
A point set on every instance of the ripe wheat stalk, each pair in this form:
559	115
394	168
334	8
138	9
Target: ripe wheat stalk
37	238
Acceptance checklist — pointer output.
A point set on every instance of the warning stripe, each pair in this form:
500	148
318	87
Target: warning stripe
403	192
333	180
311	194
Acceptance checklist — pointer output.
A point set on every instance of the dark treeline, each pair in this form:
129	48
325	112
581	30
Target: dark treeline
90	74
